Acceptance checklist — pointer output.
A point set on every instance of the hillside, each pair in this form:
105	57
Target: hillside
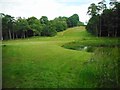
55	62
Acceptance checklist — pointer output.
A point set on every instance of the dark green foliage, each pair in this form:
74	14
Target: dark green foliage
107	23
60	23
7	26
93	21
48	30
90	49
108	75
23	28
73	20
93	9
80	24
44	20
35	26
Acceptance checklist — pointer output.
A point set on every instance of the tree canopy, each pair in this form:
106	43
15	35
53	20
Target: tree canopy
73	20
104	21
21	27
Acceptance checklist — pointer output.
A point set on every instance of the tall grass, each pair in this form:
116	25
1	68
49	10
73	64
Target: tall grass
105	61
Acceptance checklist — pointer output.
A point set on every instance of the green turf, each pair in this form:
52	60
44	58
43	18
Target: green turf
43	62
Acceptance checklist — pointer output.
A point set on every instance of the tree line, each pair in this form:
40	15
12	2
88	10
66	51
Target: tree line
104	21
13	28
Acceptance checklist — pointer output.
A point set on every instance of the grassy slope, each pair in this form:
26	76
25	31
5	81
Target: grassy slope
42	62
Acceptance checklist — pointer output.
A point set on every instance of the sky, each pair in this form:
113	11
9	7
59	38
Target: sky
49	8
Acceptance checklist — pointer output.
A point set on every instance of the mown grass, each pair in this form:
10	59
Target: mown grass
42	62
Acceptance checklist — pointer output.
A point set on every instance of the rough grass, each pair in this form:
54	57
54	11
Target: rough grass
42	62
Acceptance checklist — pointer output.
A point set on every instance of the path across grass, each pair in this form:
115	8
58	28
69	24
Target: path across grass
42	62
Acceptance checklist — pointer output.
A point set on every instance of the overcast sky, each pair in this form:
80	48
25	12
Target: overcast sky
49	8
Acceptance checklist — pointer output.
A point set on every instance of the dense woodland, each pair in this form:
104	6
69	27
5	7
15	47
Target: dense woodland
104	21
13	28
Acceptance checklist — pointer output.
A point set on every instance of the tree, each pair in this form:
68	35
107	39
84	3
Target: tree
22	27
1	37
73	20
113	3
106	21
60	23
49	30
93	9
7	26
52	29
116	10
35	26
44	20
80	23
15	30
93	25
102	6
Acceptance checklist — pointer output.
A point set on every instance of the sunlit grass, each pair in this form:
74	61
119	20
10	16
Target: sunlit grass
42	62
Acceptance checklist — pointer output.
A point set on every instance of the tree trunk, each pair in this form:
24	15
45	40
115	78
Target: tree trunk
115	33
116	30
100	33
16	36
100	27
96	30
108	34
10	34
1	37
34	34
39	34
24	34
13	35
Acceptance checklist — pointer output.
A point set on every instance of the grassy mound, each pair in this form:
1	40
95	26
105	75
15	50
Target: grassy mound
42	62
